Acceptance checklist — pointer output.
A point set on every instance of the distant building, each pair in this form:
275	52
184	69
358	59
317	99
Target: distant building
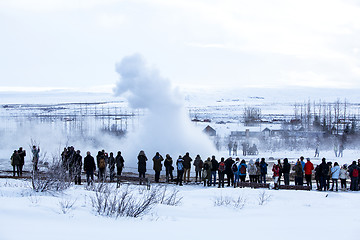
209	131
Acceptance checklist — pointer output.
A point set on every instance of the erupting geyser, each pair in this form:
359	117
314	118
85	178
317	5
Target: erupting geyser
166	127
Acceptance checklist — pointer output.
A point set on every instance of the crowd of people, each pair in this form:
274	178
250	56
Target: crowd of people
210	172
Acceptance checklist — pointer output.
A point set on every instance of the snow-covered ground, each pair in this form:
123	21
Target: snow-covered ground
25	214
287	214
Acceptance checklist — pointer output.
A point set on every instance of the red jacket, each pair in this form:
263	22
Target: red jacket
276	170
308	168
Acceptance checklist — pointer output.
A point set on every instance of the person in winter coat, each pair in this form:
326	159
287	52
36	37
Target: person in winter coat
214	169
230	146
119	160
258	170
22	154
276	174
317	177
111	163
77	167
354	176
180	170
221	172
235	169
198	163
242	170
298	172
286	171
263	168
89	168
207	172
336	149
308	172
168	164
15	162
101	164
324	172
228	171
157	159
343	176
35	151
341	150
187	166
252	171
142	164
235	147
335	173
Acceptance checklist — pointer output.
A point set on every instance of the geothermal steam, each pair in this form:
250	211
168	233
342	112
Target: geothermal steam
166	127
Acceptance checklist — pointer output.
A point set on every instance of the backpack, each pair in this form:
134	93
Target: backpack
180	166
102	163
234	167
355	172
243	169
221	166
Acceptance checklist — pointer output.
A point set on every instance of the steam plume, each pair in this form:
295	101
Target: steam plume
167	127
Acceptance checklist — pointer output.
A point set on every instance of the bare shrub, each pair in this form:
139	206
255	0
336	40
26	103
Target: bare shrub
66	205
54	179
222	201
122	203
263	197
238	203
170	198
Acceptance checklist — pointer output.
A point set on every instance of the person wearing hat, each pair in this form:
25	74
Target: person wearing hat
308	172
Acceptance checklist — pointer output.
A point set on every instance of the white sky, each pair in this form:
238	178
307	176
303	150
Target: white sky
75	44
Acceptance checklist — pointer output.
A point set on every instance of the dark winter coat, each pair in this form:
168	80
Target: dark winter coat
168	164
198	163
15	159
324	169
77	163
111	163
22	155
215	164
157	163
286	167
352	167
228	164
187	161
119	160
142	163
263	167
89	163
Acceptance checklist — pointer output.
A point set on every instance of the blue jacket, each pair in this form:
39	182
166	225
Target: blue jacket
240	174
335	172
263	167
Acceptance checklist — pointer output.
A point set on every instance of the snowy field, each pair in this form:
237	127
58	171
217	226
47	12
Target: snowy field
26	214
283	214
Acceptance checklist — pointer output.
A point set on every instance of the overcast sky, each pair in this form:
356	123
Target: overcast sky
76	44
